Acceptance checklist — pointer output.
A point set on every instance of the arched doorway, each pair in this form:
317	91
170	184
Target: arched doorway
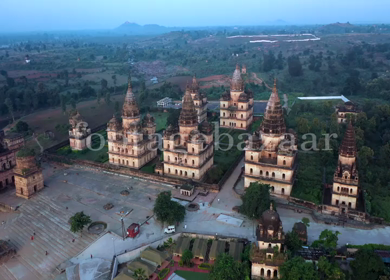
282	190
275	273
262	272
6	182
269	273
35	188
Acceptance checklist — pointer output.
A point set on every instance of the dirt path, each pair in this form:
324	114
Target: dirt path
260	81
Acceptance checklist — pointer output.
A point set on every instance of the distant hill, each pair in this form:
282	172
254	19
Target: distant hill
337	27
132	28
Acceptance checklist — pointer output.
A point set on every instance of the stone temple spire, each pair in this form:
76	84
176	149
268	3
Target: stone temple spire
195	85
130	107
273	122
188	115
237	83
348	146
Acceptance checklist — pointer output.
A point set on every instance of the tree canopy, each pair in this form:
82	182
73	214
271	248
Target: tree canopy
327	240
226	268
187	257
292	241
255	200
168	211
78	221
367	265
296	268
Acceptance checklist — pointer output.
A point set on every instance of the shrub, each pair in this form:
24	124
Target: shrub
205	266
181	263
172	262
163	273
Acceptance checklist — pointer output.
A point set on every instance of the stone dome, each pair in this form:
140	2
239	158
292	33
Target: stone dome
205	127
243	97
114	124
270	220
149	120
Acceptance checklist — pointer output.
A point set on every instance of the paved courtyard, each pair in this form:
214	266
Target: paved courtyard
78	189
47	215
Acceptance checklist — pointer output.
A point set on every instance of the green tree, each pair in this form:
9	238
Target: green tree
303	125
63	103
297	269
255	200
328	270
366	154
226	268
173	117
294	66
98	96
73	103
114	80
10	107
27	99
78	221
104	84
186	257
367	265
66	76
168	211
327	240
140	274
107	98
306	221
292	241
21	127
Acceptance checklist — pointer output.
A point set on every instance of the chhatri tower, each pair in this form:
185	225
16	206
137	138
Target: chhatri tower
200	100
270	153
131	142
79	132
268	253
188	151
345	190
236	107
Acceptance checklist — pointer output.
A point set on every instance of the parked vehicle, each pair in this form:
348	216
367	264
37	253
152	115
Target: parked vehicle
170	229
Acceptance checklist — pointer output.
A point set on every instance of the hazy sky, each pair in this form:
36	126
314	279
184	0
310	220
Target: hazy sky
40	15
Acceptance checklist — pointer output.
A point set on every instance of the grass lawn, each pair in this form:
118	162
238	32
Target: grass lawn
190	275
149	168
234	133
97	156
256	124
161	120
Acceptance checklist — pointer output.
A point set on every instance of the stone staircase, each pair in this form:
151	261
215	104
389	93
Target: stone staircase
50	224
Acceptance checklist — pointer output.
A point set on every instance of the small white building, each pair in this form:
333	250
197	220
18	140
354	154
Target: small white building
154	80
165	102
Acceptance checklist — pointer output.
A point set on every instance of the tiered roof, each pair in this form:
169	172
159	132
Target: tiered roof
237	83
130	107
348	146
188	115
273	122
